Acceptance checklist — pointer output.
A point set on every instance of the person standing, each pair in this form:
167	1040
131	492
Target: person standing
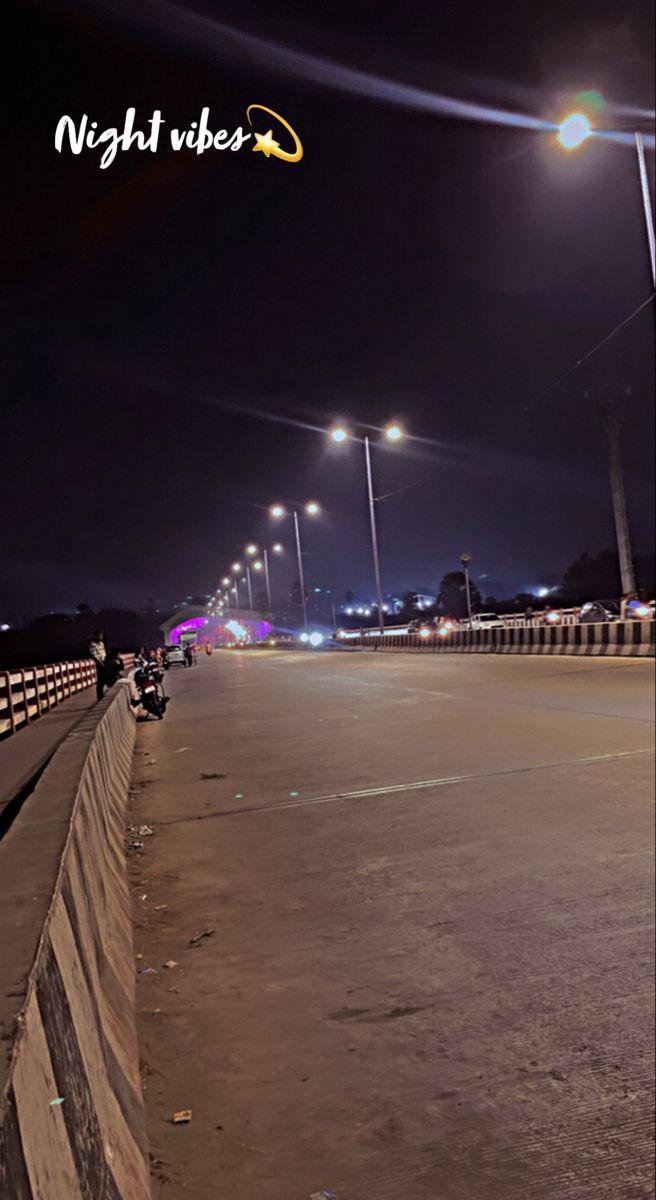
98	652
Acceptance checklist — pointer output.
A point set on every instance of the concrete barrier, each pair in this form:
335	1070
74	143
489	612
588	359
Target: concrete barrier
621	639
71	1113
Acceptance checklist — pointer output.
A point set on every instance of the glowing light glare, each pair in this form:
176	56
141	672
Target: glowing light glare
312	508
236	567
305	637
339	434
315	639
424	633
277	548
252	549
574	130
394	433
443	631
226	581
239	632
277	511
257	566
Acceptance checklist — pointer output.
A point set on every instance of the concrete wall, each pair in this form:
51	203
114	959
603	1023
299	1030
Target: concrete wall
67	978
616	639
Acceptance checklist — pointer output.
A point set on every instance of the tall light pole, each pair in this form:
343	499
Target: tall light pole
646	204
278	511
576	129
465	560
263	564
250	588
393	433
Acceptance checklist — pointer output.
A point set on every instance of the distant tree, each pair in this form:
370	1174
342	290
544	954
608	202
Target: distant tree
452	597
409	610
592	578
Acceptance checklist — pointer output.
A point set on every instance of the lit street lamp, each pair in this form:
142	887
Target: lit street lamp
278	511
393	433
574	130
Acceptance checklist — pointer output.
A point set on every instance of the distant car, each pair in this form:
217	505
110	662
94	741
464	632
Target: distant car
487	621
596	611
175	657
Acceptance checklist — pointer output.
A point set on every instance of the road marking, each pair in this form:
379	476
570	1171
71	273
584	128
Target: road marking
417	786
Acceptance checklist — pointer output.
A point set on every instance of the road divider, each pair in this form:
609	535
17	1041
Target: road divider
622	639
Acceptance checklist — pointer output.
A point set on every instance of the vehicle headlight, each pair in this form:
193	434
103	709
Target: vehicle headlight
315	639
304	637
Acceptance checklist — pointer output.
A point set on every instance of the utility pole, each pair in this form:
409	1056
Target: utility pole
612	418
465	560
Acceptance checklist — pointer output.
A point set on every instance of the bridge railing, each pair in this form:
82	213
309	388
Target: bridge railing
28	692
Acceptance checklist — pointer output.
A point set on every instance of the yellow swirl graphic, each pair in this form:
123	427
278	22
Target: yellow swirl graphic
266	141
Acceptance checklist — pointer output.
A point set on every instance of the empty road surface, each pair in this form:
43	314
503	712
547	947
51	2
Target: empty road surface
426	890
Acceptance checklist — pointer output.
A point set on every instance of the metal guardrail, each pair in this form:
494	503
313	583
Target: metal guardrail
26	693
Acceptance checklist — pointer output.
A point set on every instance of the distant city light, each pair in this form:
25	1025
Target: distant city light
574	130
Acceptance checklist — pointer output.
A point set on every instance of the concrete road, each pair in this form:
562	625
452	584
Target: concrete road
429	886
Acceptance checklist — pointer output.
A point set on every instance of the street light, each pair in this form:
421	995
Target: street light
278	511
576	129
251	549
393	433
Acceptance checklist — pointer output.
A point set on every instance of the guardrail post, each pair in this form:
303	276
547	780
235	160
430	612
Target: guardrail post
26	702
10	701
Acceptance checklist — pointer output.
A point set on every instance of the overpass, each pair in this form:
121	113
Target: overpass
394	908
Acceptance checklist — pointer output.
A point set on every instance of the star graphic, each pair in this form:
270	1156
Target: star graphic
266	142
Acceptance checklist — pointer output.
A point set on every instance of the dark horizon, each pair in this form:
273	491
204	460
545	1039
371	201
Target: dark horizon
440	272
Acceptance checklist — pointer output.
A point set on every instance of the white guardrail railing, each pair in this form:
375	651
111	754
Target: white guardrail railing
26	693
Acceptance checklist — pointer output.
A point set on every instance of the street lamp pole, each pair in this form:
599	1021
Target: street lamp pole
374	536
250	588
301	574
465	560
267	579
646	202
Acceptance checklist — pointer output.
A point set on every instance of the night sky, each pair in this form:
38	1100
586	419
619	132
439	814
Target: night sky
441	272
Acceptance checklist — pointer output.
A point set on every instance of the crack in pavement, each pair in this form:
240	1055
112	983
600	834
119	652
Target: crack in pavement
419	785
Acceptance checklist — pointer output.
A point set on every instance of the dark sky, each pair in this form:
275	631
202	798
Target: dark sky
437	271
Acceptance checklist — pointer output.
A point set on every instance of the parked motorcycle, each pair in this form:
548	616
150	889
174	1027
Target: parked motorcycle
148	680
